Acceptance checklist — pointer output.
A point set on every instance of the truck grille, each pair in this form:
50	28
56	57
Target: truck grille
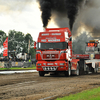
49	68
48	56
52	55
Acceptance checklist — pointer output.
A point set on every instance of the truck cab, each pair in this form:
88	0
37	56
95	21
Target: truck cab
54	51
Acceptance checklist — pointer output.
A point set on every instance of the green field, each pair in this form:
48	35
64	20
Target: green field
93	94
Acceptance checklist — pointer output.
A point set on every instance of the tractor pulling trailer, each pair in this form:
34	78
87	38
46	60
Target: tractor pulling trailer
54	54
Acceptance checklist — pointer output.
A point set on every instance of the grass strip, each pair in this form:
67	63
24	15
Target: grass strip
93	94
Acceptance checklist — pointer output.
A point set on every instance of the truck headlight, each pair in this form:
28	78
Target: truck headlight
62	64
44	63
38	64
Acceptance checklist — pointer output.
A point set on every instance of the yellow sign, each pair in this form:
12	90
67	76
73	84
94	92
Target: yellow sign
16	63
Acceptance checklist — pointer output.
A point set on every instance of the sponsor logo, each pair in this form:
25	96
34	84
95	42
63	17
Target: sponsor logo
50	64
54	40
56	33
50	52
45	34
43	40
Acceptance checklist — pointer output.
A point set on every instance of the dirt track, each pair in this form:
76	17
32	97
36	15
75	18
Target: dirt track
29	86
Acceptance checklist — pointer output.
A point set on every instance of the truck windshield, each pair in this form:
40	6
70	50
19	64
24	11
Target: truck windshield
59	45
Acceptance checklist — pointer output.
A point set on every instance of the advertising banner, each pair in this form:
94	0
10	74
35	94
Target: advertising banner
5	44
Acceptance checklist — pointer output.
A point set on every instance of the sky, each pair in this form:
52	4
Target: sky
25	16
78	15
21	15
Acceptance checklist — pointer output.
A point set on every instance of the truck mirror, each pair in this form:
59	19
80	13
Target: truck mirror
67	45
70	39
34	45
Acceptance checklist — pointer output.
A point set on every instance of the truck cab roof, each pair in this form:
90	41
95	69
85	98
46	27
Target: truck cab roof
54	35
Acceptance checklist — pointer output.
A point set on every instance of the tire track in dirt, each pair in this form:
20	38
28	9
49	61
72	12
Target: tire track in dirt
29	86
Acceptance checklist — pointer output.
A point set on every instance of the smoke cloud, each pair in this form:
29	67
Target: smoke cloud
72	10
45	7
75	14
67	8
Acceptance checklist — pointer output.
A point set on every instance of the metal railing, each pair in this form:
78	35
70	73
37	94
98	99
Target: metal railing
7	64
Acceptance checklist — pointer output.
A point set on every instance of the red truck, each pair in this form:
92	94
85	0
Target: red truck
54	54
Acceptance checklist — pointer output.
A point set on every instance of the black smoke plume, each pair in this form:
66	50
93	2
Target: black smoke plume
45	6
63	7
72	10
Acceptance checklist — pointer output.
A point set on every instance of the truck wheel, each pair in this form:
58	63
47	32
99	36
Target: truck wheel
81	66
41	73
94	70
77	70
87	69
68	73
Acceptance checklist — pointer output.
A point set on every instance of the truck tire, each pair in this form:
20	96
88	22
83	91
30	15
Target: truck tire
68	73
41	73
77	70
87	69
81	66
94	70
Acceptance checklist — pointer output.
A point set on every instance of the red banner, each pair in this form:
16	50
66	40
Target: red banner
5	45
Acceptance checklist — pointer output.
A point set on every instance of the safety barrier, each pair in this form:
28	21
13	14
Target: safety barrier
17	64
1	64
27	64
5	64
8	64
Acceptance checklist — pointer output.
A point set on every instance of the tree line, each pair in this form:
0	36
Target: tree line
18	41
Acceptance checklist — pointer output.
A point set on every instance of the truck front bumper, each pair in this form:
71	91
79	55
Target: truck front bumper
51	66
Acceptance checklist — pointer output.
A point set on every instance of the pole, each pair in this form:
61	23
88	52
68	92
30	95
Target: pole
28	46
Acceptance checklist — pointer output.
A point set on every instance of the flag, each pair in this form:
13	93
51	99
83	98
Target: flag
5	45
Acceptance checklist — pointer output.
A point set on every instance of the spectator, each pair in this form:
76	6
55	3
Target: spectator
29	63
10	65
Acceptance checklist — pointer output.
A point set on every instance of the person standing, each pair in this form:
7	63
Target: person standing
29	63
